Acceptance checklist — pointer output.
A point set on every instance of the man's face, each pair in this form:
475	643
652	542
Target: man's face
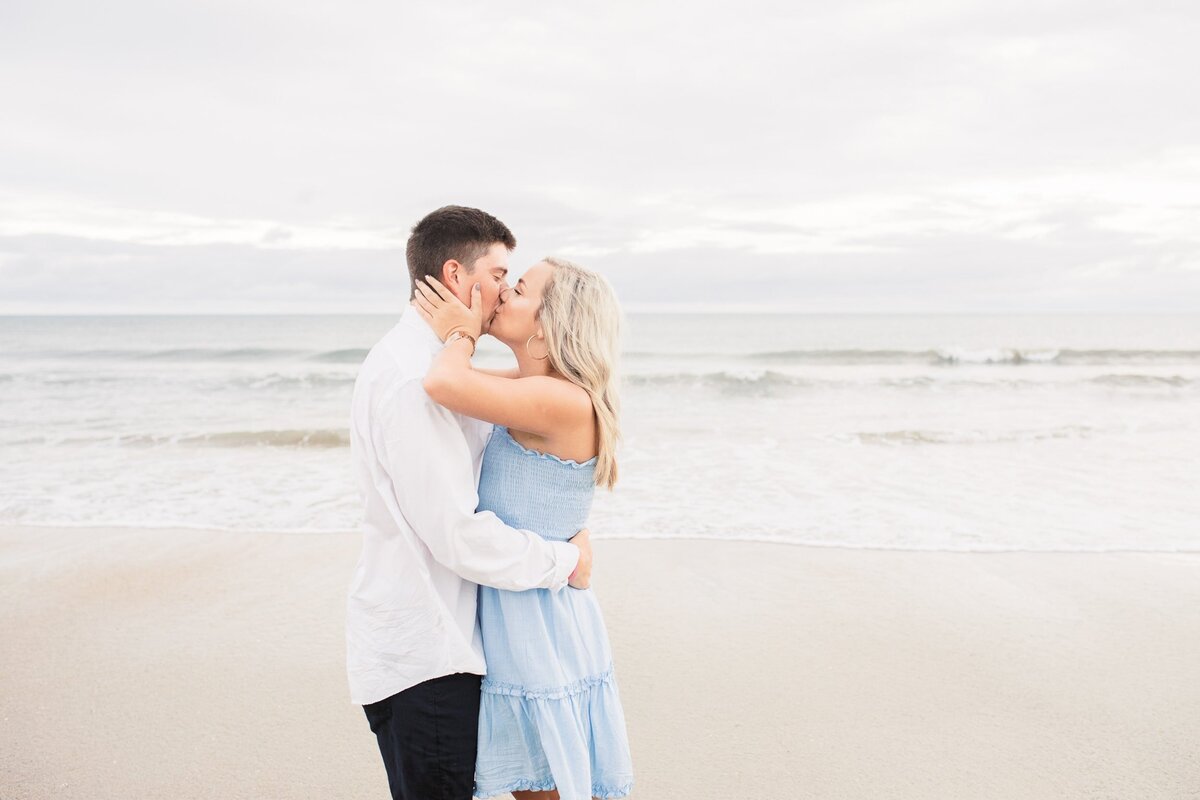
491	273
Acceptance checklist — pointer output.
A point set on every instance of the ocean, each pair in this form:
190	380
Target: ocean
926	432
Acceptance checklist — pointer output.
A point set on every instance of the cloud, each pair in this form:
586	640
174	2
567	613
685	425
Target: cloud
25	217
49	274
911	143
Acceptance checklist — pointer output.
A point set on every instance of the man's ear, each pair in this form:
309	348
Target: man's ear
451	274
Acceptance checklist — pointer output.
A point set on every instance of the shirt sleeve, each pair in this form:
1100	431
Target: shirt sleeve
426	455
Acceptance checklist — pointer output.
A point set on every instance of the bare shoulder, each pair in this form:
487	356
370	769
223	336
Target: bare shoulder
570	429
570	401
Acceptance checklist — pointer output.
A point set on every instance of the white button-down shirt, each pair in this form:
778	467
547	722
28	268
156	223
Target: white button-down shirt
410	615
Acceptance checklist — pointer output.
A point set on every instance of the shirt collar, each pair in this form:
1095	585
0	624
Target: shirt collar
411	318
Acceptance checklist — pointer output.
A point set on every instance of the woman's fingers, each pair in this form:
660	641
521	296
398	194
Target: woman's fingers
445	311
424	305
442	291
429	295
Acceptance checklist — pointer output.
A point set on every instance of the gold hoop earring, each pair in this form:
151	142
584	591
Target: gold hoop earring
531	355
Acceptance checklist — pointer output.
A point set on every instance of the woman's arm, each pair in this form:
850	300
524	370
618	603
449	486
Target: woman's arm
537	404
500	373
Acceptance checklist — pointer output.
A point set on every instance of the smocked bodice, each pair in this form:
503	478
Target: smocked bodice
535	491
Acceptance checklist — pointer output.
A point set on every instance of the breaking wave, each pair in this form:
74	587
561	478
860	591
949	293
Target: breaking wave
943	356
922	437
292	438
196	354
1177	381
744	381
766	380
321	438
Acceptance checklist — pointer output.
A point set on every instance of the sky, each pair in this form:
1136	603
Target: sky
919	156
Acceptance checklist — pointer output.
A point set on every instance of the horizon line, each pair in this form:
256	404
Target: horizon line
634	310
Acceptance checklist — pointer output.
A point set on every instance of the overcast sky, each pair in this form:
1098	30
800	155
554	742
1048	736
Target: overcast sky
853	156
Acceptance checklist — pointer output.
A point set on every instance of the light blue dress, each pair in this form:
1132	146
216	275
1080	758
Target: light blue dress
550	715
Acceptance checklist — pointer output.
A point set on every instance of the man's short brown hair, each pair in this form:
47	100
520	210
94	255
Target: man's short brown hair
453	233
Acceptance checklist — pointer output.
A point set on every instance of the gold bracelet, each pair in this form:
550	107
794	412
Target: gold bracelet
456	335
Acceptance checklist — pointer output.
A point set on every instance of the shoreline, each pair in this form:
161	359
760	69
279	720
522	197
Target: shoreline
618	537
154	662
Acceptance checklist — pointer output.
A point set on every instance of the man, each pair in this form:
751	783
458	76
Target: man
414	652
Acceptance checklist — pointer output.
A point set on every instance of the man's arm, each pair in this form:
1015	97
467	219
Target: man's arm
429	463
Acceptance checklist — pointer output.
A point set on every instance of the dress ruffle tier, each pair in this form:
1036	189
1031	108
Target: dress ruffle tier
567	737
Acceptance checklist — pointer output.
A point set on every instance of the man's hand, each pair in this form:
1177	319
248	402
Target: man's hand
581	578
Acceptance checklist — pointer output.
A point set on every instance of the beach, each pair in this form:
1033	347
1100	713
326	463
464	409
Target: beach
182	663
888	314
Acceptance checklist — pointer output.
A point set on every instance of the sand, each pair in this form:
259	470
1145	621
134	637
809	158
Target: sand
168	663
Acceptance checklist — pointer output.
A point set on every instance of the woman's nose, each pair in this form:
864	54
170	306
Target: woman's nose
504	290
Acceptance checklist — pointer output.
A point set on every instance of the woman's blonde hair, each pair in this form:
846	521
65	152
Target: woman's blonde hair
581	321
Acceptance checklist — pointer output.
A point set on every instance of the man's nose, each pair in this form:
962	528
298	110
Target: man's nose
504	290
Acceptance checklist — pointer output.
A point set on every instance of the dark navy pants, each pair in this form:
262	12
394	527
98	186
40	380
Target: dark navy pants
428	735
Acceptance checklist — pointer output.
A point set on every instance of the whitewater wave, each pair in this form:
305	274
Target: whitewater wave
923	437
1175	381
765	380
958	355
942	356
286	438
285	381
207	354
744	381
181	354
317	437
321	438
760	381
196	354
208	383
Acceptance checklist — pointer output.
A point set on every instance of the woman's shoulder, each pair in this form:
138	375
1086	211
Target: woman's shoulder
567	396
573	436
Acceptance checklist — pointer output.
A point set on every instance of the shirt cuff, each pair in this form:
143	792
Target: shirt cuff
566	557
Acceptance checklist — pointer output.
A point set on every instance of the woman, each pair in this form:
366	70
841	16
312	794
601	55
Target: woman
550	718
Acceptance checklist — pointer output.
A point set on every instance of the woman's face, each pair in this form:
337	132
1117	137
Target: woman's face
516	315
